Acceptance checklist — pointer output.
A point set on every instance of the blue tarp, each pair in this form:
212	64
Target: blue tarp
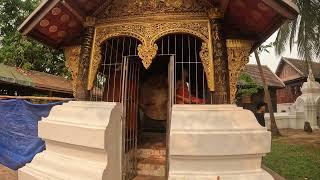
19	141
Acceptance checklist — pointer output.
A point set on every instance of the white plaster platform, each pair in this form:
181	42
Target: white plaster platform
207	141
305	109
78	138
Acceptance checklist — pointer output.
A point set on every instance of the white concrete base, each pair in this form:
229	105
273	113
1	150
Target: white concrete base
83	141
207	141
305	109
287	120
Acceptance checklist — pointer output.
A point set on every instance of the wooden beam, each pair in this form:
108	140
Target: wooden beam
282	8
37	98
36	16
224	5
101	8
73	11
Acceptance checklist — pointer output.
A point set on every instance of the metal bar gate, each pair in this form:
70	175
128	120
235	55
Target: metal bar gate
130	89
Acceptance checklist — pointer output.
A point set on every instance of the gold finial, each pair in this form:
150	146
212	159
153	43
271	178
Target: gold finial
89	21
215	13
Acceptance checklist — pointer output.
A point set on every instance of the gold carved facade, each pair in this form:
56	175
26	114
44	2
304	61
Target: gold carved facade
238	57
148	21
72	55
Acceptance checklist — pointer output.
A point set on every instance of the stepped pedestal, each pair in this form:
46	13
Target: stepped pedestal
211	141
83	141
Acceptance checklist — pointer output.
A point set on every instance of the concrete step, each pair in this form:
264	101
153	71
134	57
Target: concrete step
152	167
151	153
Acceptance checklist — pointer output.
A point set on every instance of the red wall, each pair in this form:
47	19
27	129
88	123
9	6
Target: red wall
290	93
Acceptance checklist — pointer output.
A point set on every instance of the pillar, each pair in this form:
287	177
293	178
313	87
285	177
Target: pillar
82	92
83	142
216	142
220	62
238	57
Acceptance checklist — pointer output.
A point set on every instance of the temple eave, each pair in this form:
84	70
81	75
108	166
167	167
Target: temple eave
67	17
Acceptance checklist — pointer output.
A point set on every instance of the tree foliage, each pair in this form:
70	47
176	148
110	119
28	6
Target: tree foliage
19	51
247	86
304	31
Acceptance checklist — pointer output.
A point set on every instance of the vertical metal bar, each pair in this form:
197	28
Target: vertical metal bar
196	59
121	65
135	117
168	44
171	90
162	46
135	48
110	60
182	69
175	70
124	114
137	111
130	118
130	43
130	99
103	72
203	84
115	70
190	87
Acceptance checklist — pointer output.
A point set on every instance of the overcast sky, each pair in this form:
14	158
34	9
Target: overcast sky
271	59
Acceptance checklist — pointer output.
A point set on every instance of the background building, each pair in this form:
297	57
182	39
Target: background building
18	82
294	72
273	81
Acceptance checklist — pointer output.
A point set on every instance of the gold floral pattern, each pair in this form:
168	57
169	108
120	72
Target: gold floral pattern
72	55
238	57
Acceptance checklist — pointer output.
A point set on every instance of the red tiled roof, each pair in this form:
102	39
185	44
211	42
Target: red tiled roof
43	80
302	66
272	79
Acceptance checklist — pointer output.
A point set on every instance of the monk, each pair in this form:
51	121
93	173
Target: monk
183	95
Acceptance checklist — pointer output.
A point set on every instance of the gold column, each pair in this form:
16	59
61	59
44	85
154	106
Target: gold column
72	55
238	57
220	62
82	92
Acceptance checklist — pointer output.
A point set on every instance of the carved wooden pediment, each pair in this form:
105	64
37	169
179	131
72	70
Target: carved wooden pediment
148	34
129	8
148	21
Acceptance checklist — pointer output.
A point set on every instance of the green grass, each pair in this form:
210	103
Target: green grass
294	162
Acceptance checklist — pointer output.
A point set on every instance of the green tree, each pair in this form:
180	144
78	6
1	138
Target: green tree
303	31
247	86
19	51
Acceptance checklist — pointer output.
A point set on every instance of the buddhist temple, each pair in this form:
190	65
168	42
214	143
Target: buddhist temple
155	83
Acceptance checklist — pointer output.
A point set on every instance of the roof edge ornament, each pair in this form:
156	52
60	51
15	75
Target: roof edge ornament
215	13
311	86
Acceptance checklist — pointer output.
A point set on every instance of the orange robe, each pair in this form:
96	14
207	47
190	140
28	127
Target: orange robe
183	96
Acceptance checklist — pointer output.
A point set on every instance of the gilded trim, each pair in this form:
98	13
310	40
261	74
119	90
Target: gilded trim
148	34
72	55
238	57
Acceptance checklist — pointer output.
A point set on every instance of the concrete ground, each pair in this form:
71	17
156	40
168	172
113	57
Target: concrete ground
7	174
289	136
292	136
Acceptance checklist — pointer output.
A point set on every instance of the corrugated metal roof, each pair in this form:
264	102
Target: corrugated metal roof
12	75
39	80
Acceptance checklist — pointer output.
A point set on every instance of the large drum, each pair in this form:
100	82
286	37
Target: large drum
154	97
